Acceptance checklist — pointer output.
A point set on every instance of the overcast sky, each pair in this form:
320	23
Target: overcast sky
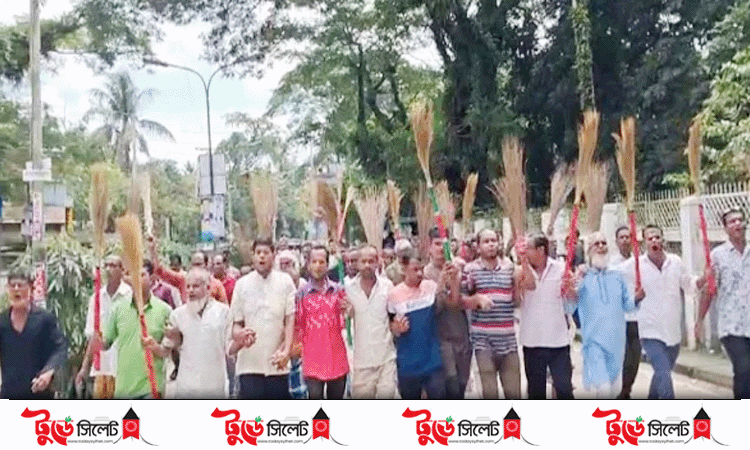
179	103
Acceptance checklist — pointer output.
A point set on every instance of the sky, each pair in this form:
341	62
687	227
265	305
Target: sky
179	101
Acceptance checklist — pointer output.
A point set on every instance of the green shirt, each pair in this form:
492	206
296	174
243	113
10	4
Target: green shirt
124	327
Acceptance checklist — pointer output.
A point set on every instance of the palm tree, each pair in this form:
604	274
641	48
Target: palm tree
118	105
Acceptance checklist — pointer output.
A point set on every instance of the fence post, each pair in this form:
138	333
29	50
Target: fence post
692	257
613	215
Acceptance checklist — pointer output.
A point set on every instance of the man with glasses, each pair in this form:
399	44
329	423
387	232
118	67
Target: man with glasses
731	266
602	297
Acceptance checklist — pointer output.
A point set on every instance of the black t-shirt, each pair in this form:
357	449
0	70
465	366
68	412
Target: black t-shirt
39	347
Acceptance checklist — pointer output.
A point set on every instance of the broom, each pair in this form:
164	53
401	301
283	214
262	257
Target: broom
99	210
587	137
335	218
421	124
694	162
596	194
510	190
129	228
626	152
264	191
394	206
467	202
424	215
446	205
372	207
561	186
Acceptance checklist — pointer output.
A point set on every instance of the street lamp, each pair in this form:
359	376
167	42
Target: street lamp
206	87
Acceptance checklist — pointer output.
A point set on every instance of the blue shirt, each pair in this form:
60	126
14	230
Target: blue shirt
603	300
417	350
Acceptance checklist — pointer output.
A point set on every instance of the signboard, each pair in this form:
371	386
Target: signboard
219	175
212	219
37	217
43	173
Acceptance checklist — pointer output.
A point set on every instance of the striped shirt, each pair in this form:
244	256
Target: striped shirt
494	329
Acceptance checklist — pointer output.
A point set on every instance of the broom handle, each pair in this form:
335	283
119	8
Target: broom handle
97	319
440	224
149	359
571	244
711	281
636	250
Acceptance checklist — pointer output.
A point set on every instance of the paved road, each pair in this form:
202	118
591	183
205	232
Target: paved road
684	387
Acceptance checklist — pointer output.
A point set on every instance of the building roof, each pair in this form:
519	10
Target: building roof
512	415
321	415
702	415
131	415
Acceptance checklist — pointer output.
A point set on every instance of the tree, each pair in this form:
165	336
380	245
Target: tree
118	106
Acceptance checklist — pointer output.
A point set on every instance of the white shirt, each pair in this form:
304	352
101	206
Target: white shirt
660	312
263	304
108	358
733	290
205	340
614	263
373	341
542	310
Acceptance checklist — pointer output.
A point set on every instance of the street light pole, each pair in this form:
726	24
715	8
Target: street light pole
206	90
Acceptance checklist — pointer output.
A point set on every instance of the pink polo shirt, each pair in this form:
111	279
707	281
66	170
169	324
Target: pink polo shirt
318	324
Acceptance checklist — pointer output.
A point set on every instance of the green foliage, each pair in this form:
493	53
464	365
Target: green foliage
726	119
70	269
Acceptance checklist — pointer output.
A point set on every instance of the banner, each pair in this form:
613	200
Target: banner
391	425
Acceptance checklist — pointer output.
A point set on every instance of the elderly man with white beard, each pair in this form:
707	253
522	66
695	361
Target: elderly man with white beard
603	298
201	329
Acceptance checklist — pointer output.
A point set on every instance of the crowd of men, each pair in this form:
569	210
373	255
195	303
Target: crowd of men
278	329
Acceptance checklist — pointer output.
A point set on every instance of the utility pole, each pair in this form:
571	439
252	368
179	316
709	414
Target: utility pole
37	186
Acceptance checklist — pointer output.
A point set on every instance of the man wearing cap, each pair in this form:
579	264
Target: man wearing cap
731	267
602	297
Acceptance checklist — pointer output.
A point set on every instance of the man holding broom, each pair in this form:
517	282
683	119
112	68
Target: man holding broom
123	328
115	290
602	298
452	324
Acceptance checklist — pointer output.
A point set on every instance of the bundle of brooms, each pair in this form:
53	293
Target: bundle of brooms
264	190
596	195
467	202
99	210
587	139
510	190
328	202
394	206
421	118
446	204
563	182
626	156
694	163
372	207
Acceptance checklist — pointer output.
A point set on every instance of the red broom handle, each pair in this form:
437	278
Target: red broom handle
440	224
571	245
97	314
634	244
149	360
711	281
